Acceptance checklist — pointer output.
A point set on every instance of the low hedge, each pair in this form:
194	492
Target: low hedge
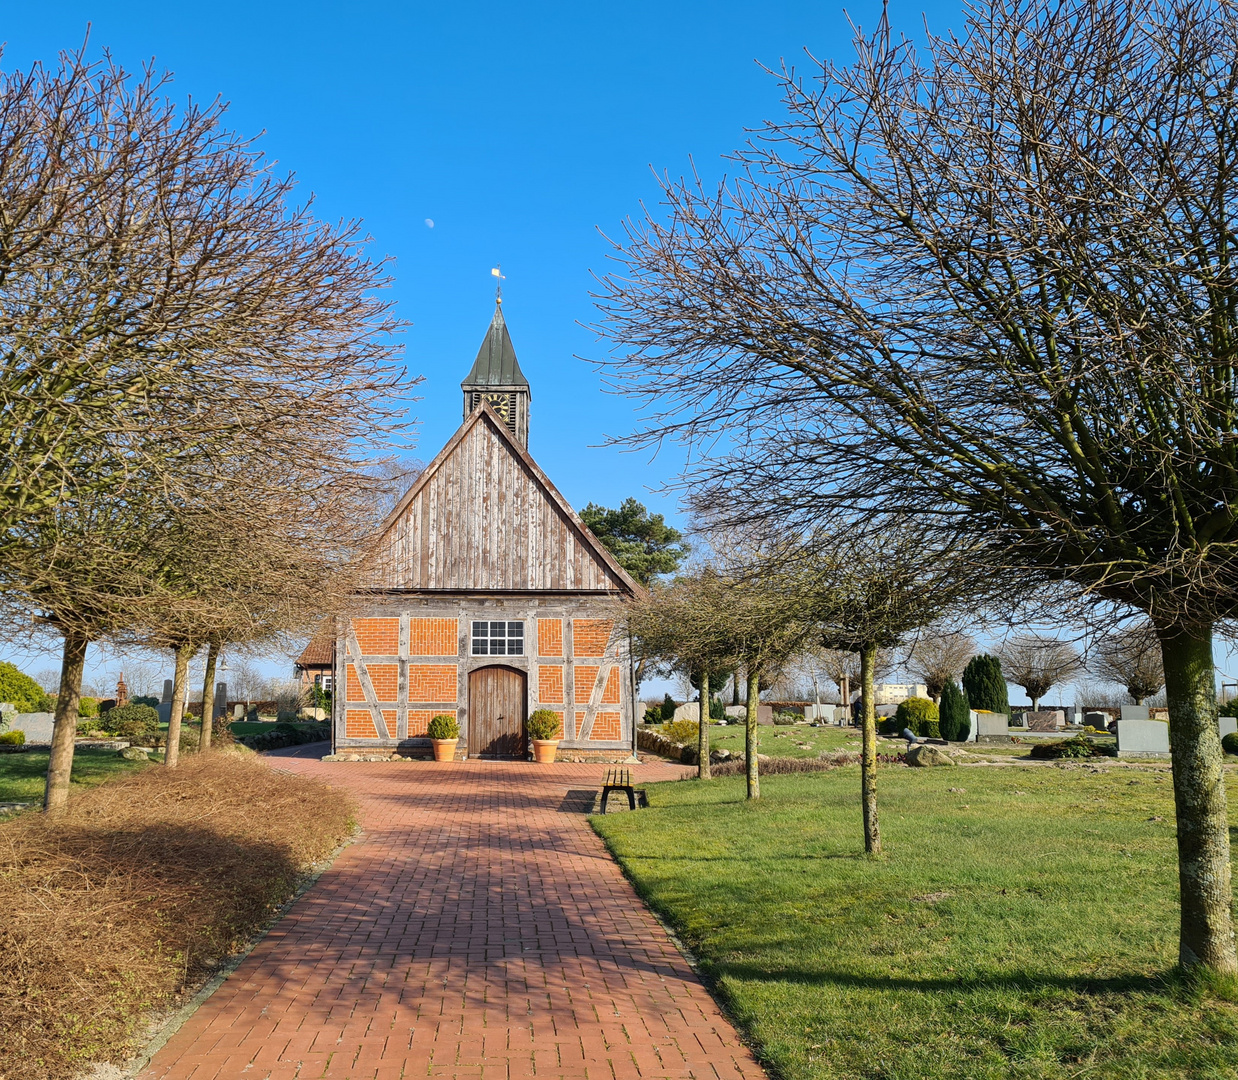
1078	747
284	734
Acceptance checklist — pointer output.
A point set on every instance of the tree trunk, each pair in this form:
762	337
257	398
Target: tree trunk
208	696
735	688
1206	935
750	735
868	756
845	690
702	739
172	750
64	728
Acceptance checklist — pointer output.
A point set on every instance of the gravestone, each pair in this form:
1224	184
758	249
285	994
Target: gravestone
821	713
164	708
36	725
1047	720
238	711
221	701
1134	712
736	712
1097	720
1227	724
989	723
689	710
1142	737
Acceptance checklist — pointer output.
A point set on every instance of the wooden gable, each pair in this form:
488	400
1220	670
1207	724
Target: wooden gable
484	517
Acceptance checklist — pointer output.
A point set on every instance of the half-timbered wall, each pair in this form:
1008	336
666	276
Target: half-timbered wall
410	659
484	519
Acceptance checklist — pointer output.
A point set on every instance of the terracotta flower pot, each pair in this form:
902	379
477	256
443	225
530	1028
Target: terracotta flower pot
544	750
444	749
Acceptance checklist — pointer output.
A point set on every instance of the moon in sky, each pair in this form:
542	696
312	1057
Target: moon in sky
429	223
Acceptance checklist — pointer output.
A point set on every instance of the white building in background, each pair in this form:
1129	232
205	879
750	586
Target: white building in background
894	693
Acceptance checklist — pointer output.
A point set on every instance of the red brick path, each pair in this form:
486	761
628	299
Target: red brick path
479	930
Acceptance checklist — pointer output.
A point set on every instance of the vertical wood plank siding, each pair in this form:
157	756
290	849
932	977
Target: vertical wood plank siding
484	521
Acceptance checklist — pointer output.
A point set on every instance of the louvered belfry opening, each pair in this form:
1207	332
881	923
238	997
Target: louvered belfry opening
496	378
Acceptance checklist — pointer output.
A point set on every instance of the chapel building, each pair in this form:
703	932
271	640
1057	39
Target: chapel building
492	599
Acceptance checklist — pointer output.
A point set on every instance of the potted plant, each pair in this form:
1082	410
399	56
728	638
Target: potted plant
444	733
544	727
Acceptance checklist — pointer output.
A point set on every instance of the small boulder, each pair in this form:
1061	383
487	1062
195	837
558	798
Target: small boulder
716	757
134	753
923	755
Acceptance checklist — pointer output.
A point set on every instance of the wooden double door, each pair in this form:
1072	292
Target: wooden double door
497	706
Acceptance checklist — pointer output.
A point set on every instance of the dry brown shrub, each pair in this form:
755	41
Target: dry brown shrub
136	891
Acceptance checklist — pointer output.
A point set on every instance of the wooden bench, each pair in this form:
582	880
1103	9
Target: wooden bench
621	780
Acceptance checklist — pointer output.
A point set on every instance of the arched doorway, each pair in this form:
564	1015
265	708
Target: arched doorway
497	712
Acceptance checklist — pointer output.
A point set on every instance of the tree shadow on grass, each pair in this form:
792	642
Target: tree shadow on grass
1023	982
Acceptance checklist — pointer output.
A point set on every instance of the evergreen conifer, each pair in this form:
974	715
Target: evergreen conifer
984	686
955	717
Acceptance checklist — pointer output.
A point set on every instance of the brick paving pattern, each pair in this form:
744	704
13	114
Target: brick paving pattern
479	930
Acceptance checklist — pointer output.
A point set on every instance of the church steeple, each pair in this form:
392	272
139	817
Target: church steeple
496	377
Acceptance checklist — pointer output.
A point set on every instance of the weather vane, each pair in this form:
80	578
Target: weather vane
497	272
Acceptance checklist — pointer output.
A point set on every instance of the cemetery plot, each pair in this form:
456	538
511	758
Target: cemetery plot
1023	924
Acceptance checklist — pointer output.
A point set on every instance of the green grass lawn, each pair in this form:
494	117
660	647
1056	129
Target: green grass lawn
1024	926
801	740
22	775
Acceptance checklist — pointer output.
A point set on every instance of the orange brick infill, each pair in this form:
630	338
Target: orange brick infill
590	636
610	695
606	727
584	676
433	637
478	929
550	684
431	682
378	637
359	724
549	637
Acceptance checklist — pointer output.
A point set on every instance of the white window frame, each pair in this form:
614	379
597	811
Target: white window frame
496	630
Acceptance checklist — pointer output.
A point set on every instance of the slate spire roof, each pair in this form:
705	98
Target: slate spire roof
496	363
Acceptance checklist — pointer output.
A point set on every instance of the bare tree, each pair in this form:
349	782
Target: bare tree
1131	657
939	656
989	282
175	332
1038	663
866	592
682	625
163	300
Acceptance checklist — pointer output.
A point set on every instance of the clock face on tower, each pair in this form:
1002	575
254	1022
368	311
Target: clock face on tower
502	404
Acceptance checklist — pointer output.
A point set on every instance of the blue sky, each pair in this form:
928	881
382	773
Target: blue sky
522	131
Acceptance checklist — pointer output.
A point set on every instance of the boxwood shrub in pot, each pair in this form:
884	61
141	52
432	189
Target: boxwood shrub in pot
444	733
545	727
